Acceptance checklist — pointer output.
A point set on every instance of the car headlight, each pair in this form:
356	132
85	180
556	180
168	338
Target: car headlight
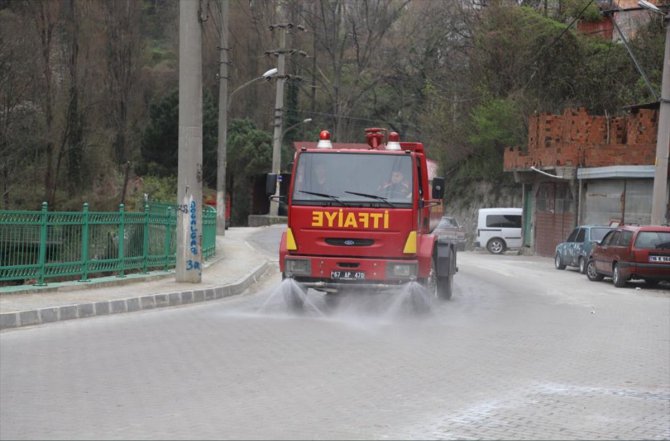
401	270
298	267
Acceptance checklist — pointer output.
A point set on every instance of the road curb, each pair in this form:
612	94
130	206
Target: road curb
131	304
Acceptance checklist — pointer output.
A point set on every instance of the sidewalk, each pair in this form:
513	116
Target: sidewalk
237	265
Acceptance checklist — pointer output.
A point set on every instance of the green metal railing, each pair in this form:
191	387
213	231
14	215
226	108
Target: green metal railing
40	245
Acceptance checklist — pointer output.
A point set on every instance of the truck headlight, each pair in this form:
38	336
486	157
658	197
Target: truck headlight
298	267
401	270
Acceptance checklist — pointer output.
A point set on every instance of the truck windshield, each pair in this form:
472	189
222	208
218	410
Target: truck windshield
353	179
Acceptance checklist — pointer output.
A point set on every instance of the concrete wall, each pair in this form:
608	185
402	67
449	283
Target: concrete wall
481	195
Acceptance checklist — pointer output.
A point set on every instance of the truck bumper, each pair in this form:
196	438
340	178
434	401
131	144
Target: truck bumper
331	286
333	273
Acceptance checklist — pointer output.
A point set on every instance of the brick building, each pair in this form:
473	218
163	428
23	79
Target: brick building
584	169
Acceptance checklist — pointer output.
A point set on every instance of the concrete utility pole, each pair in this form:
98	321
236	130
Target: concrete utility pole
221	158
659	200
189	177
279	102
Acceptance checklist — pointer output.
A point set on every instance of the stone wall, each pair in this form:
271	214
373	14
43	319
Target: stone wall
481	195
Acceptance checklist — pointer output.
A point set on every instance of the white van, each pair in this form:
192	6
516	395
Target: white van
499	229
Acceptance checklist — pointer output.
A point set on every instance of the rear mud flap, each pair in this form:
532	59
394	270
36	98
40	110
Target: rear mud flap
445	262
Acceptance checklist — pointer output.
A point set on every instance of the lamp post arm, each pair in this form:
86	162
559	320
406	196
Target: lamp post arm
230	97
288	129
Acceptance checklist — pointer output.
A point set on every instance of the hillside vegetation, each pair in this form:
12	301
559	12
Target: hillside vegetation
89	108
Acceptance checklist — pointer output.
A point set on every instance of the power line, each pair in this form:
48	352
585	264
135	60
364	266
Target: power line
541	51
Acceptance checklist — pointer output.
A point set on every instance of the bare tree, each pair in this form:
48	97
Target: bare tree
437	47
17	111
123	46
72	138
46	16
351	38
251	43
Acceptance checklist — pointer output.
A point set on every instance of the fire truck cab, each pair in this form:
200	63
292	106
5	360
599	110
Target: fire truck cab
364	217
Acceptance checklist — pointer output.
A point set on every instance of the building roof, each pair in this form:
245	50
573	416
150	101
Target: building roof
617	171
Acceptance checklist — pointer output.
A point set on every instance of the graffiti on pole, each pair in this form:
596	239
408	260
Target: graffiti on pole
193	264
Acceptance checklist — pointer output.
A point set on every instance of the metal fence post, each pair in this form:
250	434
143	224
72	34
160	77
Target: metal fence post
145	246
43	245
168	234
122	236
84	245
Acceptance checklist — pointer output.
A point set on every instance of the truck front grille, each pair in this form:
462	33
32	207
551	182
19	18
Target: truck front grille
344	242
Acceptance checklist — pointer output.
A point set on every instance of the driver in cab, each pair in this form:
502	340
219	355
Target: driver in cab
397	187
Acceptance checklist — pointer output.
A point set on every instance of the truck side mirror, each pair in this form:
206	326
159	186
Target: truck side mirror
270	183
438	188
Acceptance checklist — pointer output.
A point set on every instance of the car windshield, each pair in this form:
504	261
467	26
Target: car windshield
597	234
448	222
653	240
353	179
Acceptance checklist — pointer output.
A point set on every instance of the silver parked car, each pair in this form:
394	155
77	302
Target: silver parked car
448	229
576	249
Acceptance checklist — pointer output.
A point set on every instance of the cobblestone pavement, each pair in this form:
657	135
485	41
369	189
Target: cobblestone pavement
522	351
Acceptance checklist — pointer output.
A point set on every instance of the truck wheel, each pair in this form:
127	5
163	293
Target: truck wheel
496	246
440	286
445	287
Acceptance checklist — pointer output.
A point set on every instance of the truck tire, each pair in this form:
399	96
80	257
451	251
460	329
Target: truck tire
445	287
440	286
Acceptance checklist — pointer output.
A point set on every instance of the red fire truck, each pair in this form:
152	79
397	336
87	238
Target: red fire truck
363	218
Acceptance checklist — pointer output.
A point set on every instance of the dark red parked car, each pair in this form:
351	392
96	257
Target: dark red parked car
632	252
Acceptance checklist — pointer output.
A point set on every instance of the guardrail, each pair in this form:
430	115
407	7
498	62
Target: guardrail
40	245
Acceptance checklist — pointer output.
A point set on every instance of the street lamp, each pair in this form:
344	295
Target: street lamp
222	146
268	75
288	129
659	199
278	173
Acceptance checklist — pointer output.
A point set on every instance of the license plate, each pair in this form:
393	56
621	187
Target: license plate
664	259
347	275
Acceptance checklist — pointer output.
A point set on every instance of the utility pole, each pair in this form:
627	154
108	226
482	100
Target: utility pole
279	103
221	161
189	177
659	200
